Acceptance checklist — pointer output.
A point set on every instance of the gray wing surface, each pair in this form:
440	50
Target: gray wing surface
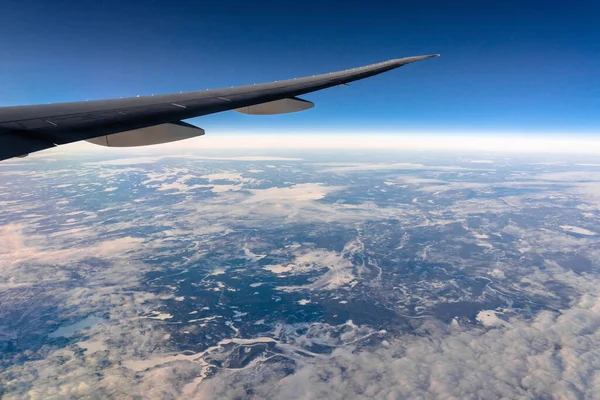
26	129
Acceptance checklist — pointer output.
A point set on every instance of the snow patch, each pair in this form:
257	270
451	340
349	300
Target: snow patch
160	316
576	229
490	319
279	269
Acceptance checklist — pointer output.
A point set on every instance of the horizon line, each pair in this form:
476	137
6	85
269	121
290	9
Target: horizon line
492	143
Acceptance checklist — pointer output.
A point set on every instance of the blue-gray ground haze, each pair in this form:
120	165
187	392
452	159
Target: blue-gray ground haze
306	276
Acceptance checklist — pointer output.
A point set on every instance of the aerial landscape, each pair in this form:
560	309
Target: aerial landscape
431	232
224	276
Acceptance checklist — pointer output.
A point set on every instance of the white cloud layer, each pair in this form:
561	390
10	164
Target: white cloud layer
525	143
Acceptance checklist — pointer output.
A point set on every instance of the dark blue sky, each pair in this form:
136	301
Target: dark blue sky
509	66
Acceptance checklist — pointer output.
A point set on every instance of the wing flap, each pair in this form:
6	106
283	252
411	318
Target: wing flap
283	106
156	134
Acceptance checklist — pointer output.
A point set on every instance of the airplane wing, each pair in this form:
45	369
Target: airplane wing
146	120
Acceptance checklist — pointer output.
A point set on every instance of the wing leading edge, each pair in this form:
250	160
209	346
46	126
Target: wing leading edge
26	129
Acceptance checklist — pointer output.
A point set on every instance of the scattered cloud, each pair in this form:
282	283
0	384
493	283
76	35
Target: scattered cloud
361	167
553	355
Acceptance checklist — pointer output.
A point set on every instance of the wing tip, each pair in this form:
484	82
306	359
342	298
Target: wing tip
407	60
